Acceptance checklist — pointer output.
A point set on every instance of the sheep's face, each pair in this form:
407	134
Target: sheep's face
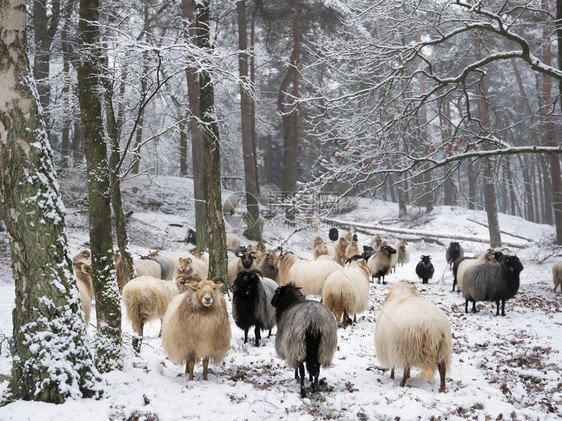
82	256
207	292
272	259
455	246
245	283
426	259
513	264
321	249
388	250
184	264
248	259
317	240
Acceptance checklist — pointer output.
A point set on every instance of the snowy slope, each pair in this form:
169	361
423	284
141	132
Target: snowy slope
503	367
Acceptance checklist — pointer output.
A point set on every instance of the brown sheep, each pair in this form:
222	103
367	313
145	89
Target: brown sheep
196	326
85	288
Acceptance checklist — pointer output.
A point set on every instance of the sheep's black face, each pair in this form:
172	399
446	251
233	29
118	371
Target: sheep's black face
513	264
426	259
389	250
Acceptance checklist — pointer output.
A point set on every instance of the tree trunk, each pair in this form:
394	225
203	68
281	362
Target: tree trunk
252	232
197	142
52	360
258	144
549	137
290	110
108	302
490	197
45	28
210	132
183	148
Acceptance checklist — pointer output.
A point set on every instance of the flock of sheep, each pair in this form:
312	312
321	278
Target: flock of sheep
269	289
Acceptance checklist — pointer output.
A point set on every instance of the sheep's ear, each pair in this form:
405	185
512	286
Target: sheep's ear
87	269
188	261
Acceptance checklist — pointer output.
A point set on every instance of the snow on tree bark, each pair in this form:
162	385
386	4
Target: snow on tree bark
52	360
108	301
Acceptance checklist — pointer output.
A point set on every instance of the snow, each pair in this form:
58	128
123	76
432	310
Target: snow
506	367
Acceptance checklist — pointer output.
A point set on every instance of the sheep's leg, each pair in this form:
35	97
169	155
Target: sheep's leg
205	368
392	373
315	385
160	333
442	371
345	317
474	306
245	335
269	336
466	306
405	377
503	307
301	371
137	340
257	334
189	368
355	318
497	307
454	285
297	373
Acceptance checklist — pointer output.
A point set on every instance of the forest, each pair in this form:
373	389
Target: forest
295	113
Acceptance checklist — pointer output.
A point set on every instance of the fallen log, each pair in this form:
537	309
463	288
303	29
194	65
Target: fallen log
417	234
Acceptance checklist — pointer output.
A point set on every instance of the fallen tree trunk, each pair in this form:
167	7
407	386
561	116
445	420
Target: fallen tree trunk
417	234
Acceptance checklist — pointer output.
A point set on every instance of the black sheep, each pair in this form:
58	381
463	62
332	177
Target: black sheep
251	303
495	282
333	234
424	269
454	251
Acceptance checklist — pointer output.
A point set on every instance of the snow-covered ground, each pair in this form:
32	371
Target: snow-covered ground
503	367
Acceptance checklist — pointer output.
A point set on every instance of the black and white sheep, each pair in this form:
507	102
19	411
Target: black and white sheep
380	264
496	282
425	269
251	303
413	332
242	261
454	251
306	333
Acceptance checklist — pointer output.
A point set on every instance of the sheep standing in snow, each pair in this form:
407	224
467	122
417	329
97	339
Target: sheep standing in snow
557	275
402	253
454	251
376	242
85	288
346	292
425	269
306	333
146	298
498	282
380	263
251	303
413	332
353	249
309	275
196	326
229	206
195	267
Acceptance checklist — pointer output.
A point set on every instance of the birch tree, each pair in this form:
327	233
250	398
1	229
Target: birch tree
52	360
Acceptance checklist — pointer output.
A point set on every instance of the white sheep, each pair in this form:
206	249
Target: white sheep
196	326
83	273
353	249
557	275
402	253
487	258
192	266
322	249
376	241
309	275
346	292
146	298
233	243
410	332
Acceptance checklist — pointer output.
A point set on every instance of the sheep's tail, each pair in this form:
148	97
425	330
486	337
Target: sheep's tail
312	347
427	372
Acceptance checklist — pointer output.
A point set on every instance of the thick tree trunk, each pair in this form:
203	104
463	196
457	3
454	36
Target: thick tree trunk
183	148
108	302
197	142
290	110
210	132
258	144
52	360
252	232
